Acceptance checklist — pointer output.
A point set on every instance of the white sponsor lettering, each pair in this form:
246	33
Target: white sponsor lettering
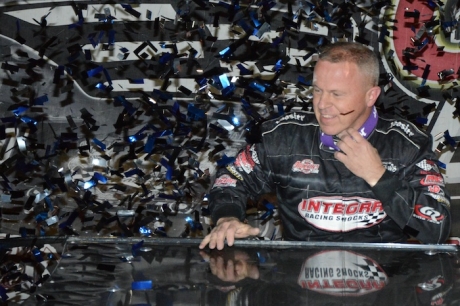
305	166
403	126
432	179
390	166
294	116
340	214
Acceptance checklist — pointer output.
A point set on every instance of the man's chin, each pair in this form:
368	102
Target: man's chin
328	131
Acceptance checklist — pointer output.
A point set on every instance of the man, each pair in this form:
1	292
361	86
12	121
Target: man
340	174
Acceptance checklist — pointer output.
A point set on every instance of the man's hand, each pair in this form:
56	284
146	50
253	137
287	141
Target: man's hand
359	156
227	229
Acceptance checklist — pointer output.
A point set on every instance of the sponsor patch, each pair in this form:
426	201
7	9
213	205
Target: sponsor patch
428	213
225	181
293	116
244	160
390	166
434	189
254	156
432	179
233	171
405	127
440	198
340	214
342	273
428	165
306	166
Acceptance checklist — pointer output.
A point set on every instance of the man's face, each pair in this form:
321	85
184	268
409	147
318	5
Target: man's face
342	96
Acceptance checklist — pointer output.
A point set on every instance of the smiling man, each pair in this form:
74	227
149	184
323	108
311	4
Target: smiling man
343	173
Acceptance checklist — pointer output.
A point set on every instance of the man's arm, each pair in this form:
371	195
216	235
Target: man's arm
417	202
234	184
415	198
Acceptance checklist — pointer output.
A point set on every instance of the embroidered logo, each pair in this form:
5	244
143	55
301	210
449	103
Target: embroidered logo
428	213
306	166
294	116
403	126
434	189
428	165
254	156
432	179
233	171
225	181
390	166
340	214
244	160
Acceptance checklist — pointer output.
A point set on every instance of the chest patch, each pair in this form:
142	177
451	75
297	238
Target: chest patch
341	214
306	166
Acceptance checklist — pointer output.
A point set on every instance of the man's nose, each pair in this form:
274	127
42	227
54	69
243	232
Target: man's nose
323	101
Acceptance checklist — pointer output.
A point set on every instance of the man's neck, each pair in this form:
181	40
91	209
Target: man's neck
365	130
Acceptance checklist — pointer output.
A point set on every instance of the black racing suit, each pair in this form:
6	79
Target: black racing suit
320	199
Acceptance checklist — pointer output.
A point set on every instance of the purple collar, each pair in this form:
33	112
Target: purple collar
365	131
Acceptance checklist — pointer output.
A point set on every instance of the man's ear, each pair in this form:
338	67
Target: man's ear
372	95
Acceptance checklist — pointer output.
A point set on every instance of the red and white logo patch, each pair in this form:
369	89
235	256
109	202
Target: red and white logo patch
342	273
340	214
244	160
306	166
434	189
432	179
428	213
225	181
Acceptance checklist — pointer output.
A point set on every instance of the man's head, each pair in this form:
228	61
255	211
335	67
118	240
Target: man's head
345	86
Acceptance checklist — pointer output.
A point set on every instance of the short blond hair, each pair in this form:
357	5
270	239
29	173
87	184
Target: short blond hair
362	56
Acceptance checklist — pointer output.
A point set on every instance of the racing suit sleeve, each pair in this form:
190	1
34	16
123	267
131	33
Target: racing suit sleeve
236	183
416	199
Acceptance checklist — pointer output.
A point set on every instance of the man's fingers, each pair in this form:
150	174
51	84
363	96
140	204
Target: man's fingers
205	241
227	231
221	234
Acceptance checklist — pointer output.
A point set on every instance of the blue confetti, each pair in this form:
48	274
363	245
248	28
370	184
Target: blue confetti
99	143
100	177
225	160
142	285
